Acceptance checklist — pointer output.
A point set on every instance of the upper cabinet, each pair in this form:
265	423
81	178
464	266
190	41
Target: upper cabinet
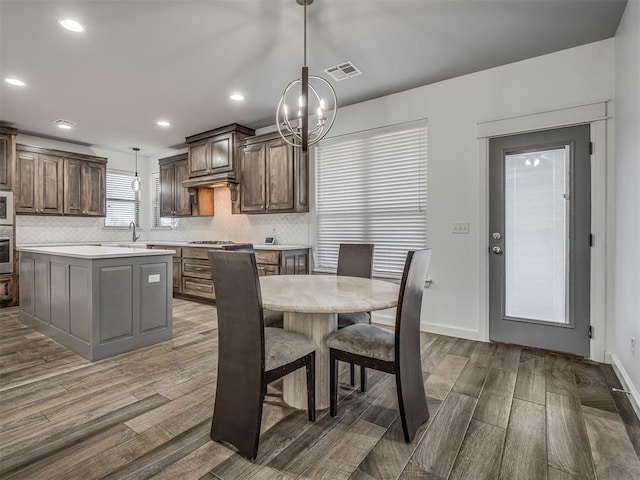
38	184
84	188
174	198
274	177
55	183
7	155
212	154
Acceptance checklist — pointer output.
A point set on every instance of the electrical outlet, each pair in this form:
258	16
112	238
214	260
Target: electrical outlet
633	344
460	227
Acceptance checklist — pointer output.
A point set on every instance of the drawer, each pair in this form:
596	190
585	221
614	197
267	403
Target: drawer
198	287
191	252
264	270
266	256
196	268
5	288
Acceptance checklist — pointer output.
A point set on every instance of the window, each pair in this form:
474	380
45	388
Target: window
371	187
158	221
123	204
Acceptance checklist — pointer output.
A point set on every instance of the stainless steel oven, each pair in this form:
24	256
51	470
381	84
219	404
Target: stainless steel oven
6	208
6	249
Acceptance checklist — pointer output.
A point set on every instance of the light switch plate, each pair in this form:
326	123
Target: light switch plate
460	227
154	278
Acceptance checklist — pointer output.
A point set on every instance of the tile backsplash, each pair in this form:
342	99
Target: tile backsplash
287	228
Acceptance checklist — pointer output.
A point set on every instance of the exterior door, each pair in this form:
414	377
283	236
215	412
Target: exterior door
539	246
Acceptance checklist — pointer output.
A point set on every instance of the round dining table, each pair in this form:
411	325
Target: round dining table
311	304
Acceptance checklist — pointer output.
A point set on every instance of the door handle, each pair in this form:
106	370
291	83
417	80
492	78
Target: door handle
496	250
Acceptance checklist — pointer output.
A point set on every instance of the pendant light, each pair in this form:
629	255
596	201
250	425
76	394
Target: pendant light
304	121
136	184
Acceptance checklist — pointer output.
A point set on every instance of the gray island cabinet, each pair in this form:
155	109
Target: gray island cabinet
97	301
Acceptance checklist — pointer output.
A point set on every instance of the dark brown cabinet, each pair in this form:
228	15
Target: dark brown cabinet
59	183
213	153
273	177
39	185
7	154
84	188
174	198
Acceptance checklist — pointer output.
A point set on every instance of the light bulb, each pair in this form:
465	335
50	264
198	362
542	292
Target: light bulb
136	184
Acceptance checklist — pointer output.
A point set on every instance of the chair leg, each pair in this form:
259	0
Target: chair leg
333	384
311	386
412	401
352	371
363	379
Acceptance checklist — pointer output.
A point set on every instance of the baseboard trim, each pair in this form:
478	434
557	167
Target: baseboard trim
432	327
625	380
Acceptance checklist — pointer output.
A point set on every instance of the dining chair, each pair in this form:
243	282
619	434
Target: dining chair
355	260
250	356
271	318
391	352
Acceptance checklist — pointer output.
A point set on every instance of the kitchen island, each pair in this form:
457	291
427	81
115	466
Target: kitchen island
97	301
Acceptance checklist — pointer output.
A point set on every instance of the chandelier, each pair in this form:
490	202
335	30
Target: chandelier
301	115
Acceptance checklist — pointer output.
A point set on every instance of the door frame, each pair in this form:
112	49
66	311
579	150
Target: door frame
595	115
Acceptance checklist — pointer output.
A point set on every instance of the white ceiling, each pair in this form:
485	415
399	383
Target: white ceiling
143	60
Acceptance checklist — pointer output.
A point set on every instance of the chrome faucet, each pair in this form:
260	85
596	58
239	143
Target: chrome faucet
134	237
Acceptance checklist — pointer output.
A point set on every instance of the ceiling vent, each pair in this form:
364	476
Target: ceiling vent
65	124
343	71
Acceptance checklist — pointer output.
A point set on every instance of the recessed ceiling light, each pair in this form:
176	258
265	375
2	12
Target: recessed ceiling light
238	97
163	123
14	81
71	25
64	124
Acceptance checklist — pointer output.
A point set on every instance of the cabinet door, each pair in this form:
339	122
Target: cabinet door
177	275
221	148
279	168
198	159
25	192
252	192
93	189
166	190
49	181
182	202
5	164
73	187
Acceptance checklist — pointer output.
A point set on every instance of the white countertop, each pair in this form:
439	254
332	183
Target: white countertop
256	246
95	252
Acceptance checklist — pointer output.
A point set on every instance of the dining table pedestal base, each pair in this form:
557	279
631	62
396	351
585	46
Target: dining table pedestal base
317	326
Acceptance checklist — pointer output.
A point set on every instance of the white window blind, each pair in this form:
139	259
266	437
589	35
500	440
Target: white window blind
123	204
371	187
158	221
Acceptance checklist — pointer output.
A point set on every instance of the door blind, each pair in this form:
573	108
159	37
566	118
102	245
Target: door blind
371	187
123	204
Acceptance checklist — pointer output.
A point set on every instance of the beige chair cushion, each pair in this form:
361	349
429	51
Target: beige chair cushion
282	347
365	340
347	319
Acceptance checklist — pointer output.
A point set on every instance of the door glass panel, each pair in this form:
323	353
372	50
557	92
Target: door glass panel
537	235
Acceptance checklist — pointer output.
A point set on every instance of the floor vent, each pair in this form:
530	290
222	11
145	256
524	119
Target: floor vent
343	71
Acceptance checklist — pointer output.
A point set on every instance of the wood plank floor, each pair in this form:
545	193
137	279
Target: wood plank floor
497	412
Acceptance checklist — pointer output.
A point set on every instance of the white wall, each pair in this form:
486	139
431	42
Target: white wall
453	108
626	308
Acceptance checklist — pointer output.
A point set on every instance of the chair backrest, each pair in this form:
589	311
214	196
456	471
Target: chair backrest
355	260
240	321
407	336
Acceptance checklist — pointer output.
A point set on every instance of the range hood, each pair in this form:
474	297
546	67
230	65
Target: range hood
211	181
